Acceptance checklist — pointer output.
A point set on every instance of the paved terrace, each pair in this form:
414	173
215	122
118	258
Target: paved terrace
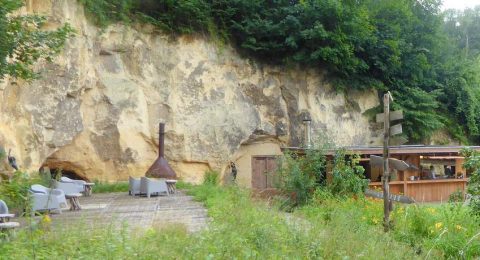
136	211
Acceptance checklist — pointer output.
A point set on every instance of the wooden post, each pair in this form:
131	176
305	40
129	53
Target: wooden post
386	155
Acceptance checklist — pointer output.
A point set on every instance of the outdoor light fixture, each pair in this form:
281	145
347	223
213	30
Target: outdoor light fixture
307	122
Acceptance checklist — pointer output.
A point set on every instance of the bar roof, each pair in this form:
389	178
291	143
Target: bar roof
402	149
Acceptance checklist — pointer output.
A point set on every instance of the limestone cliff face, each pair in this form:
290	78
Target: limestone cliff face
96	108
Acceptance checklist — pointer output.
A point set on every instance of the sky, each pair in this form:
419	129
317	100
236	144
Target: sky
459	4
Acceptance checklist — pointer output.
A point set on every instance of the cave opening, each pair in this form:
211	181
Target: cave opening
56	173
58	168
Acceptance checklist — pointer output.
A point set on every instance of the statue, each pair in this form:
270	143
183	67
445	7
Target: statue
12	161
233	167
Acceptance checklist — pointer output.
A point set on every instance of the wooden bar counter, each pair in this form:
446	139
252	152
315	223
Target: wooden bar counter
436	190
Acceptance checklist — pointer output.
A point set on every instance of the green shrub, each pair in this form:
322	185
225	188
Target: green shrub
211	177
298	176
347	175
104	12
456	196
472	163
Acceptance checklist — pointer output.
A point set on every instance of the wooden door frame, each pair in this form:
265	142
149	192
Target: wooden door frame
265	157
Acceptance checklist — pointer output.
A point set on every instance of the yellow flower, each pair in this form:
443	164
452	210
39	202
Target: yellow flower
431	210
438	225
46	219
375	221
458	227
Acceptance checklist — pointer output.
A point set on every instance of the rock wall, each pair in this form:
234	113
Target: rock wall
96	108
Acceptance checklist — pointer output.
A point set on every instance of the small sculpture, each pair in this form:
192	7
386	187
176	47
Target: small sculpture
234	170
12	161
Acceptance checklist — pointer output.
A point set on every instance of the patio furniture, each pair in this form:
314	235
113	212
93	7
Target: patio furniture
5	224
172	186
47	199
80	184
67	187
88	188
133	186
151	186
74	202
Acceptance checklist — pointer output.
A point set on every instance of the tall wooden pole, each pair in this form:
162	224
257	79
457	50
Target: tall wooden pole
386	155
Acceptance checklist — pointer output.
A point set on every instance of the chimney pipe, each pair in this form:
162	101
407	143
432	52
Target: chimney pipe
160	168
161	140
307	134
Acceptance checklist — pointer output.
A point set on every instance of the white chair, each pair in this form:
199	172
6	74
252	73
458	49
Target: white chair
67	187
47	199
152	186
133	186
80	184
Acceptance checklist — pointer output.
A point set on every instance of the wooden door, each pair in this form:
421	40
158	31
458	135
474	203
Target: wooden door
263	172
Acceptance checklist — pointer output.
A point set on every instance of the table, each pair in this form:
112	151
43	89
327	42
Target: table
6	225
74	203
88	188
172	186
6	217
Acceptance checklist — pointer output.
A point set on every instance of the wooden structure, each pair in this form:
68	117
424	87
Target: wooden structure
415	182
263	169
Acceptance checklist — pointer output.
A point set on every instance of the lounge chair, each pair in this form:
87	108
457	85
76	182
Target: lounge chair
133	186
80	184
67	187
47	199
152	186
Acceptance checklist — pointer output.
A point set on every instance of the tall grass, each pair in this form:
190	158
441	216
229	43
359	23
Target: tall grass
241	228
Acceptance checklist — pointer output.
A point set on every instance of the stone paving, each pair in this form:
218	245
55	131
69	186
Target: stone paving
137	211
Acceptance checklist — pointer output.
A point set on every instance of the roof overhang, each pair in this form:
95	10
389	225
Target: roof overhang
425	150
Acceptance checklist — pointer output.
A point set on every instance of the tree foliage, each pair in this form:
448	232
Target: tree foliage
23	42
429	59
472	163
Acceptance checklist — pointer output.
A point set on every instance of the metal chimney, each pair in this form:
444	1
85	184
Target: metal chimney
160	168
307	131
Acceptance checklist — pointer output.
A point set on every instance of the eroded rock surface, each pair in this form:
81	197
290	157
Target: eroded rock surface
96	109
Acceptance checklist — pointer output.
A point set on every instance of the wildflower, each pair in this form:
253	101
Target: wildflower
46	219
375	221
438	225
431	210
458	227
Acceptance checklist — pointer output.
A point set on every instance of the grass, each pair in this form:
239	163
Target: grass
245	228
106	187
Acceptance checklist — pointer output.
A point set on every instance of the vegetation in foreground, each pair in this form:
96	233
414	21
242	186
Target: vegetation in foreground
329	220
243	228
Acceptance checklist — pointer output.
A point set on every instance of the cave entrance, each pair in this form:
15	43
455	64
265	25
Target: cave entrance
65	173
63	168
